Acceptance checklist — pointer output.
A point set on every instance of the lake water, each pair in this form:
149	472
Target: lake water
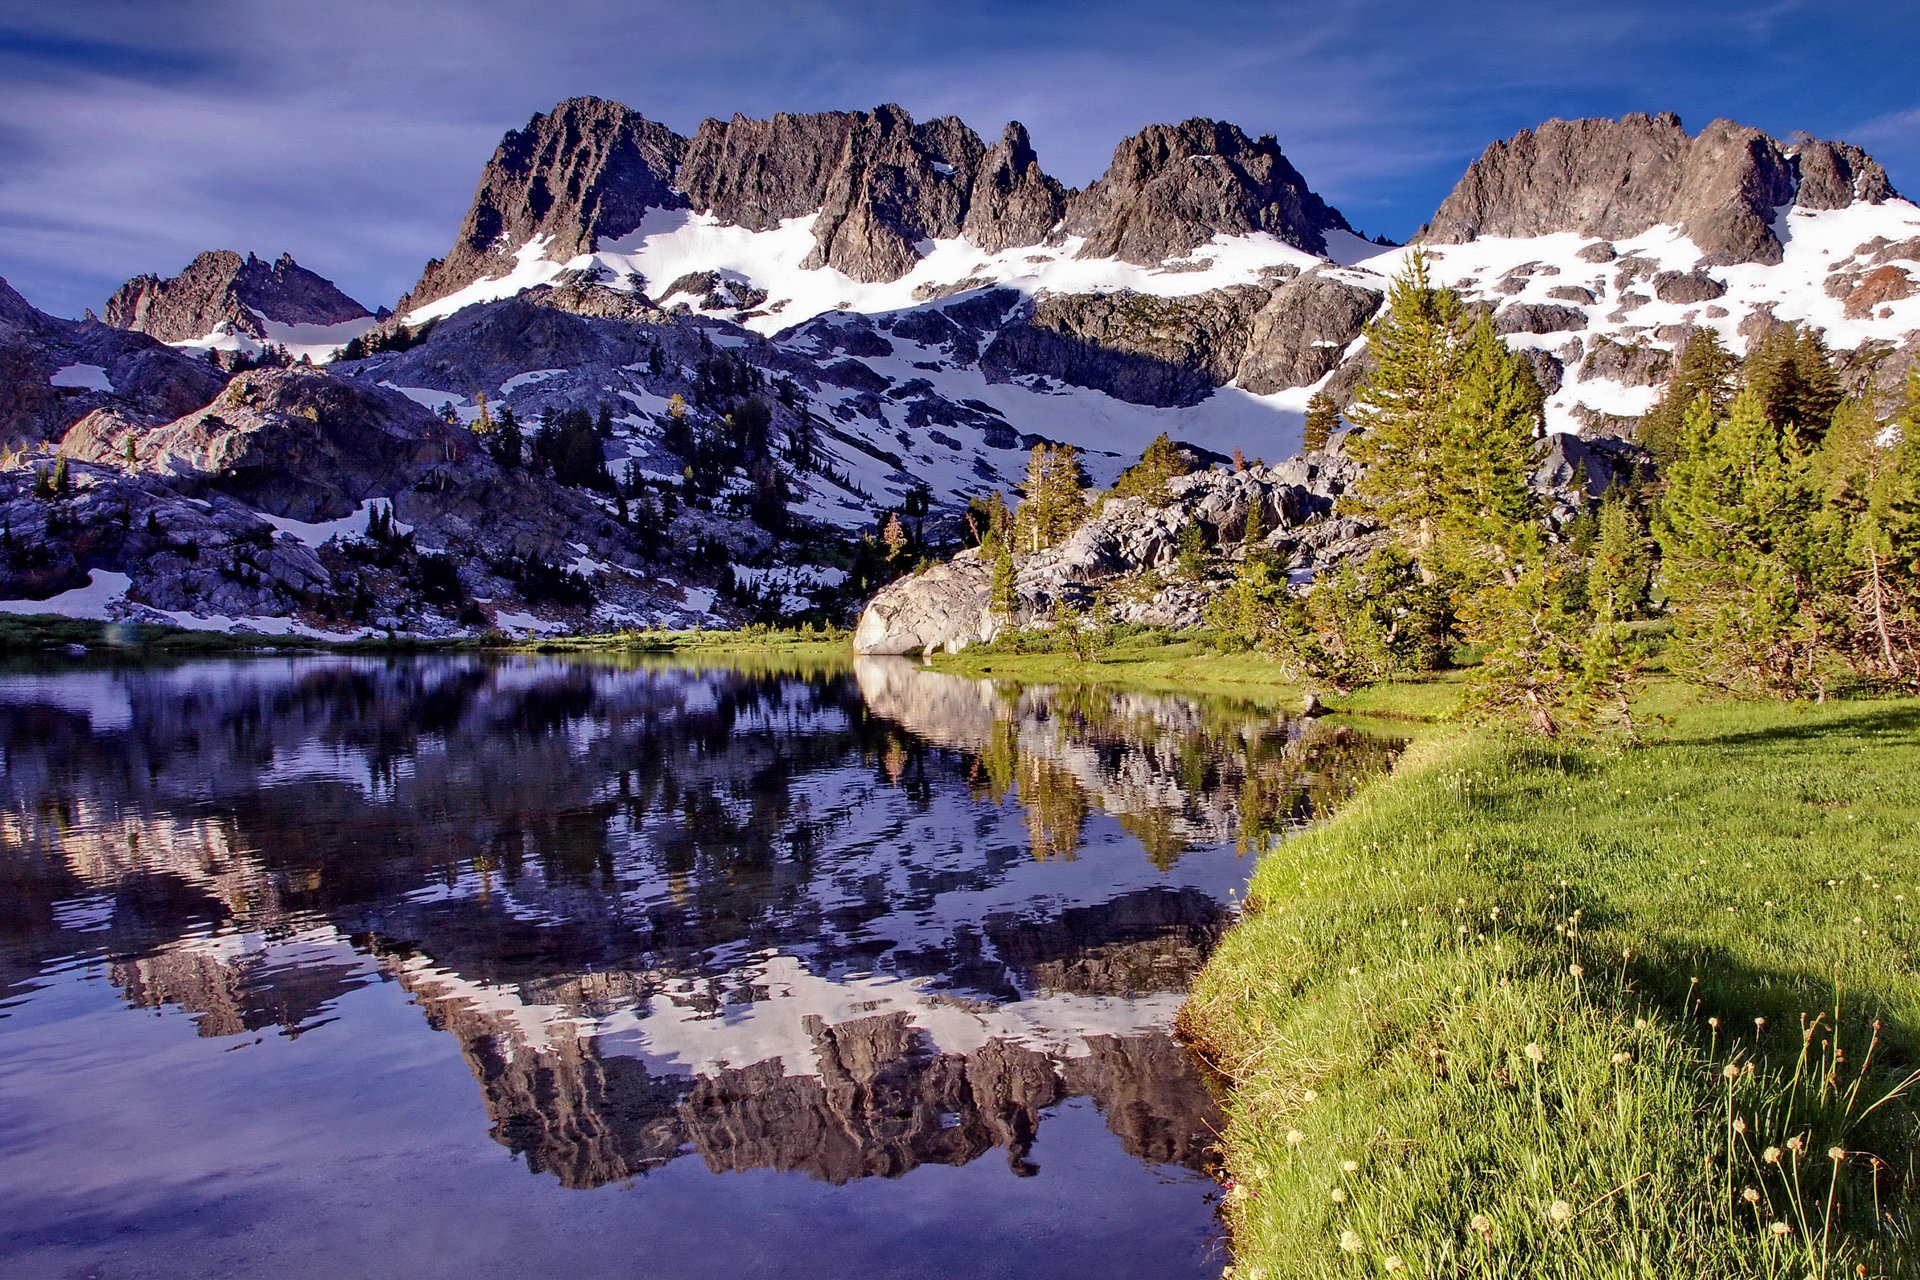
351	967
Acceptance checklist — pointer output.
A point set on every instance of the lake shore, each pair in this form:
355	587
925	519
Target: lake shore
1605	1011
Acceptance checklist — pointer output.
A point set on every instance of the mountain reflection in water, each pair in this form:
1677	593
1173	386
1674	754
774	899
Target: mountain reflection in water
842	923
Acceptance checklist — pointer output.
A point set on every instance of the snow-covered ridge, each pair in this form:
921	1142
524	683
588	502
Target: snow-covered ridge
1821	246
671	244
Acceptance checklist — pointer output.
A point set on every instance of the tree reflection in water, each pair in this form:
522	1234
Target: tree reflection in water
843	922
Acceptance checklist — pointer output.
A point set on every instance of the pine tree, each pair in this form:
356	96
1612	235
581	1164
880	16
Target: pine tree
1621	570
1253	533
1743	553
1406	405
62	482
1321	422
1190	553
1005	600
1055	503
1791	375
1705	369
1483	499
1870	479
1147	478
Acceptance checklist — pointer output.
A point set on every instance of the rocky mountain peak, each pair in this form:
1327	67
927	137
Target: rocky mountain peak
1171	188
221	288
1013	202
880	183
584	172
1614	179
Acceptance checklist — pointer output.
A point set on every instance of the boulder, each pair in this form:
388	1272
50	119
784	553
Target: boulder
1687	286
941	610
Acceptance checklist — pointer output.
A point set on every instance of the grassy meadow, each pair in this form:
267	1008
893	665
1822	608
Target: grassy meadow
1543	1011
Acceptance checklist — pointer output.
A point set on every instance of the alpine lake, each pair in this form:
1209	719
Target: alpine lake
338	966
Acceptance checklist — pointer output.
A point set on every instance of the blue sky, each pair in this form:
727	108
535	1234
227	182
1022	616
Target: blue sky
134	133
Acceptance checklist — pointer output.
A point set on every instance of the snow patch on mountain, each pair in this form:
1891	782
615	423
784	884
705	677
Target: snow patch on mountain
673	244
85	377
104	590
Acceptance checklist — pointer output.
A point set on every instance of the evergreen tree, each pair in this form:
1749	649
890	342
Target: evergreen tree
1253	532
1363	622
1005	600
1621	569
1055	503
1483	500
1321	422
505	443
1791	375
1406	405
1869	474
1147	478
1743	553
1190	551
1705	369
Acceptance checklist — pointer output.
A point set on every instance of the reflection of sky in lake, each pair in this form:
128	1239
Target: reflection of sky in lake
818	932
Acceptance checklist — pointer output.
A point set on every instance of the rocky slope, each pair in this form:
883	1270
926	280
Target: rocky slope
1125	559
303	500
222	294
54	372
588	169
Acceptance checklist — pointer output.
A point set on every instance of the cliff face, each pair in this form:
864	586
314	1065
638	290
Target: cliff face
1172	188
1614	179
586	171
221	289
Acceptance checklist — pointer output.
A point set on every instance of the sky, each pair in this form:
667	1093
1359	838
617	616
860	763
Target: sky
350	133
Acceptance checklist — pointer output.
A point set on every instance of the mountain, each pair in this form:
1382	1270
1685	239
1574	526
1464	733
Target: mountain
234	303
1615	179
587	170
781	330
297	499
1172	188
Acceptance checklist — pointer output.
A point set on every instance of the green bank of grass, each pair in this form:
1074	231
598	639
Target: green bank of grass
1188	663
823	642
1542	1012
41	633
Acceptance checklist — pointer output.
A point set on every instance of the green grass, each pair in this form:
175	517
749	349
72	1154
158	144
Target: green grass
1188	663
1739	895
39	633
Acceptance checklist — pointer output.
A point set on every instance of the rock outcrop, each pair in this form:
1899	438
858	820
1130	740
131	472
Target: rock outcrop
1129	540
1303	331
1172	188
585	172
1614	179
944	609
222	291
1133	346
54	372
1013	201
251	506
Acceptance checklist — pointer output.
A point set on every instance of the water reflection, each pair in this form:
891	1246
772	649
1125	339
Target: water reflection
838	923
